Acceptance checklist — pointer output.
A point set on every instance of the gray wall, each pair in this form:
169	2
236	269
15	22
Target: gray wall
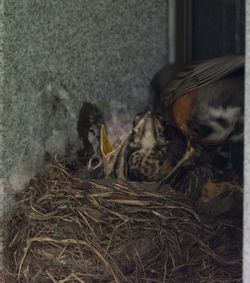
55	55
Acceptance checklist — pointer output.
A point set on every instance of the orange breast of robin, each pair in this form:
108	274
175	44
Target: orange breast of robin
182	111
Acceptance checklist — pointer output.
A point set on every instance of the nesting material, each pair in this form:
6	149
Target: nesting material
69	229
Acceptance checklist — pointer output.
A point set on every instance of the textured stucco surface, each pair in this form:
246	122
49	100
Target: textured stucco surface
246	245
54	56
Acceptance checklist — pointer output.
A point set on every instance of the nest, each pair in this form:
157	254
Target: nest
69	229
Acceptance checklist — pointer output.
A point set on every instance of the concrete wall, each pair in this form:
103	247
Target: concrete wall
55	55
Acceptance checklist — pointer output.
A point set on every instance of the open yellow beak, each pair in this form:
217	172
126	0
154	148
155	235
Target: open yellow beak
106	146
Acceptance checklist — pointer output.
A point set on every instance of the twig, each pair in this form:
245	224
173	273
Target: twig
186	156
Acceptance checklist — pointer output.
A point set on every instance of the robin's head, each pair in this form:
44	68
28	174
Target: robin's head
108	161
153	148
146	148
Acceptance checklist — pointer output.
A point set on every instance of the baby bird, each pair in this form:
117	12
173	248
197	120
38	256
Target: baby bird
154	149
148	153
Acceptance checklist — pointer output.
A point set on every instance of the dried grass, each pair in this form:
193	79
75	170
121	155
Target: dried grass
70	229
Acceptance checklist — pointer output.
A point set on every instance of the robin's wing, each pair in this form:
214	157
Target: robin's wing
193	76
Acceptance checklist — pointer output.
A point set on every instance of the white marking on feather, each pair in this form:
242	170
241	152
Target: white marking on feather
231	115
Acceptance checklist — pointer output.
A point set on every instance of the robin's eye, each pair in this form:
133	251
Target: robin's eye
94	162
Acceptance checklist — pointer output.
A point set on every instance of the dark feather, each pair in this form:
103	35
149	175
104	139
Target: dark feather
172	82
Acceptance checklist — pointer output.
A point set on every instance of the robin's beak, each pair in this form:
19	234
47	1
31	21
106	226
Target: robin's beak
114	159
106	146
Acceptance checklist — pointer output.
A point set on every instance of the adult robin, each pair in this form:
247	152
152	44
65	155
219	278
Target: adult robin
205	101
202	99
